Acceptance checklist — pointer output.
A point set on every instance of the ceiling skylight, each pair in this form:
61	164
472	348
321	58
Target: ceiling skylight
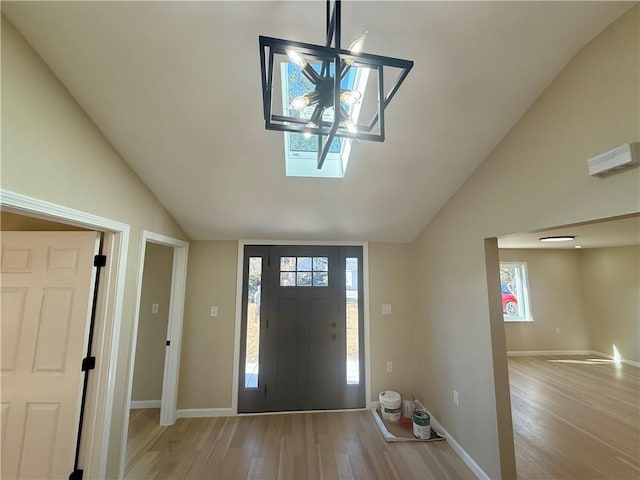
300	150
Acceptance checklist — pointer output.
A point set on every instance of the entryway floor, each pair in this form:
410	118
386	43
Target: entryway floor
322	445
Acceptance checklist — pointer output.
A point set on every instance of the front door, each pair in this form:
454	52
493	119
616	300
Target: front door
47	287
302	329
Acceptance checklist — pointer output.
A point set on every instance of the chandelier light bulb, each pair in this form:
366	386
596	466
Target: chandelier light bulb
350	97
307	134
298	103
296	58
357	44
350	126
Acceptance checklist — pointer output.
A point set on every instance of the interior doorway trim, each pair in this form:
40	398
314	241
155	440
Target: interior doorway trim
238	320
169	401
109	313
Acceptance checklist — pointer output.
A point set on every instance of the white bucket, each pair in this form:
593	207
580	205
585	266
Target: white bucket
390	403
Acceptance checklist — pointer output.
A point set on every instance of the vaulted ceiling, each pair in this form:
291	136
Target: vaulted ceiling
175	88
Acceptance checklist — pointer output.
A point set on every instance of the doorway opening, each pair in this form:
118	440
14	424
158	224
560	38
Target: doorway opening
155	358
302	329
29	213
557	363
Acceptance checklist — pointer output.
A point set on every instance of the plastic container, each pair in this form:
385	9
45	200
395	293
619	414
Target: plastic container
421	425
390	405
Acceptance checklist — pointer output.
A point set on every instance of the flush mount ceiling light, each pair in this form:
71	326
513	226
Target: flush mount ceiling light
560	238
328	101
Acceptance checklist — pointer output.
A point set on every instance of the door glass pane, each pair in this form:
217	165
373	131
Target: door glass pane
320	279
353	345
288	264
320	264
304	264
304	279
287	279
254	293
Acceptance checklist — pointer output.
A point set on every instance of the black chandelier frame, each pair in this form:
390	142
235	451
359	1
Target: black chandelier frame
330	54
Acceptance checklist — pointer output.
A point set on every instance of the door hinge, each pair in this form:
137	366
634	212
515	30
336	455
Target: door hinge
99	261
76	474
88	363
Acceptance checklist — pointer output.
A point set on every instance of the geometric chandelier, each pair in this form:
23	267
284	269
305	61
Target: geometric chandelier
330	105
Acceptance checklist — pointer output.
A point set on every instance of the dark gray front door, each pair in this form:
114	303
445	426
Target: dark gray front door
304	297
309	313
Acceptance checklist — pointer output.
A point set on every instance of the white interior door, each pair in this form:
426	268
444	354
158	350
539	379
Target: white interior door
47	288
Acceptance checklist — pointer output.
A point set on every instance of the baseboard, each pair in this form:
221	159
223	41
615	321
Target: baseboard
623	360
466	458
145	404
204	412
538	353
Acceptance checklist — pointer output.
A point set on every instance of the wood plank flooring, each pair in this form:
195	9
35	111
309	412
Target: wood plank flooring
575	418
323	445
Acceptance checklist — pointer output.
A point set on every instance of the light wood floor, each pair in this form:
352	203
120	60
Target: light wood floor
574	418
321	445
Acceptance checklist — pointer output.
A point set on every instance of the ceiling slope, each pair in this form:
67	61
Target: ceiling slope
175	87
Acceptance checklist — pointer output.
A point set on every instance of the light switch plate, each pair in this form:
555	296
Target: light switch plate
154	308
214	310
386	309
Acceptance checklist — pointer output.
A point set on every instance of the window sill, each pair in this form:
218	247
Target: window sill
518	320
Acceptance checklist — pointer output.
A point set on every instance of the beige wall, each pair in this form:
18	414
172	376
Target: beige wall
206	365
539	170
52	151
611	287
391	281
555	288
152	327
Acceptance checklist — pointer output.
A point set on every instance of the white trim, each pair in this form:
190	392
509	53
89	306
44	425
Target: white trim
466	458
116	245
624	360
539	353
204	412
367	325
169	400
236	334
138	404
287	412
365	287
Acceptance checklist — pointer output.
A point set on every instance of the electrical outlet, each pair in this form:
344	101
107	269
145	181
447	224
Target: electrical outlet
456	398
154	308
557	331
389	367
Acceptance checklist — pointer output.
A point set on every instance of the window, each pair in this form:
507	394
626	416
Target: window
515	292
252	350
353	342
304	271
